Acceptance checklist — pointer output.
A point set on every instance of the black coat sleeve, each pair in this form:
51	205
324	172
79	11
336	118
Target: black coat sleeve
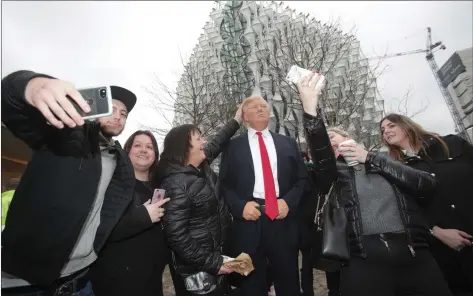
415	182
218	141
325	165
176	229
22	119
135	221
224	220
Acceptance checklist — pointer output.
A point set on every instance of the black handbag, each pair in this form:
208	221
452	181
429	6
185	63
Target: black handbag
331	220
202	283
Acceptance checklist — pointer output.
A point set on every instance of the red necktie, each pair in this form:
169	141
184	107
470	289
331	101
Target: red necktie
270	199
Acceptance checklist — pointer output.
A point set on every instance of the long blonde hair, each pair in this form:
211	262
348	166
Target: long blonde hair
414	132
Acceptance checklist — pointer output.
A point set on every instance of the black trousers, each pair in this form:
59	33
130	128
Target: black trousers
307	276
390	270
177	281
457	267
282	254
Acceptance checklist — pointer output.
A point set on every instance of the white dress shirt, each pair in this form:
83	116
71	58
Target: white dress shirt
258	191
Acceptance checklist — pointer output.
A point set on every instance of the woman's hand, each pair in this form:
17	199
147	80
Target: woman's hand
454	238
155	210
309	93
224	270
353	151
239	114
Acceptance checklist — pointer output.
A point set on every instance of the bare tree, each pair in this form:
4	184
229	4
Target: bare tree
402	106
197	99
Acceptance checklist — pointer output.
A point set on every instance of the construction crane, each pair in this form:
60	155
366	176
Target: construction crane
429	55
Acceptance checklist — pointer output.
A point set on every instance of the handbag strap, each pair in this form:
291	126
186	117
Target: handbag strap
320	210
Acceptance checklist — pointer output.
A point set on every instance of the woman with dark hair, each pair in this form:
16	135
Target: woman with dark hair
196	218
387	235
450	212
133	260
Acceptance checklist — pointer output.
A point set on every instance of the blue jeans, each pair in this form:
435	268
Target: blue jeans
86	291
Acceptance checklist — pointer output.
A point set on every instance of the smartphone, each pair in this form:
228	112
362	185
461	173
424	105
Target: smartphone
99	100
296	73
158	195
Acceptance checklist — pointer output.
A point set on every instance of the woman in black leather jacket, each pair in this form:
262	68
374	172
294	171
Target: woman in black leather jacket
196	219
449	213
387	233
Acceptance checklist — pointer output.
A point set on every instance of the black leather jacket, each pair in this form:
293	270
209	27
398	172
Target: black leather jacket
196	218
408	184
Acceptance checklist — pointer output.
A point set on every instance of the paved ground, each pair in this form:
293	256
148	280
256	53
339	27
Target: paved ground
320	288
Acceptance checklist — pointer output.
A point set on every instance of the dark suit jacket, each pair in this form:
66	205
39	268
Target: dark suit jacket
238	179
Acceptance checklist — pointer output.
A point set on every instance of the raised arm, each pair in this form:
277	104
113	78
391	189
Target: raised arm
325	167
22	119
31	100
323	157
217	143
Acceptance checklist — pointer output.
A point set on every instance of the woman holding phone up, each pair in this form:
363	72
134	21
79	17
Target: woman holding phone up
388	237
197	219
133	260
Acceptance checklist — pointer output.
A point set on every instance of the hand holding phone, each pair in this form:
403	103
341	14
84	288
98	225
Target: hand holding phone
99	100
158	195
296	74
50	97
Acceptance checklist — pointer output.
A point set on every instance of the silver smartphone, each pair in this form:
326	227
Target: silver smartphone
296	73
99	100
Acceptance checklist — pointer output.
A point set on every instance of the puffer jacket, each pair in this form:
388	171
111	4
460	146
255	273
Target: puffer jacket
196	218
409	185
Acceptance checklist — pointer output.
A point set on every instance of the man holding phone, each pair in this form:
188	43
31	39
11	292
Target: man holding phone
73	191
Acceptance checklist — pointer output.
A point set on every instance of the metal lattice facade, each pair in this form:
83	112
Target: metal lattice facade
231	47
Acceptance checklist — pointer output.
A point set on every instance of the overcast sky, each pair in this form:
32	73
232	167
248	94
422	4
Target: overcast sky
124	43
